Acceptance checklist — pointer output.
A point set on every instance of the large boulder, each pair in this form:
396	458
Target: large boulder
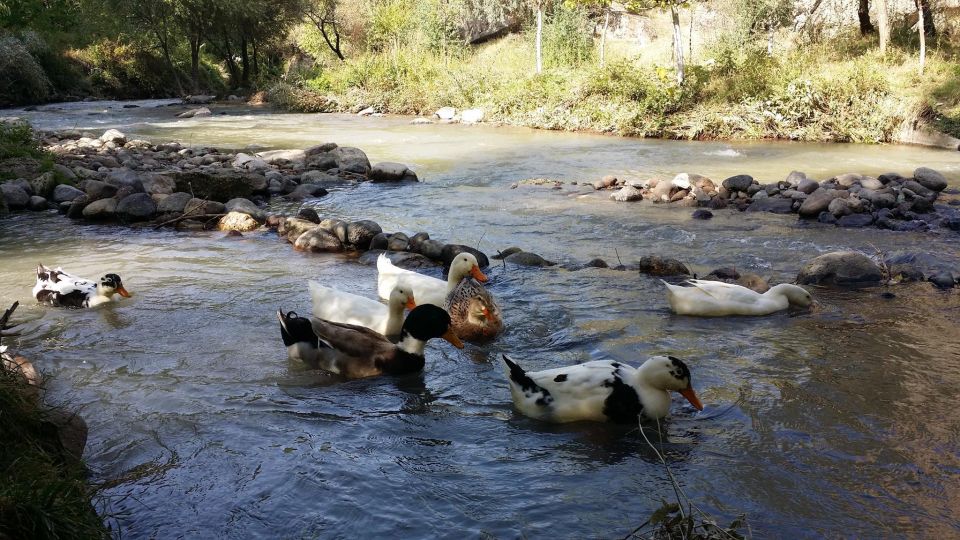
203	206
102	209
361	233
306	191
841	269
114	136
930	179
656	265
471	116
251	163
450	251
17	198
740	182
292	228
64	193
97	190
174	203
246	206
37	203
316	240
525	258
137	207
124	177
44	184
4	210
807	185
627	194
351	159
219	184
238	221
294	158
389	171
158	184
775	205
817	202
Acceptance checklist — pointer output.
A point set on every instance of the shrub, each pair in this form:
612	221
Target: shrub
17	140
22	79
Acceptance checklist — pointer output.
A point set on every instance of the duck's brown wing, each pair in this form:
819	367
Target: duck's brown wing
352	340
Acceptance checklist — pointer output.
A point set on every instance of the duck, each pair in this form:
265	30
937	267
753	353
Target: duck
426	289
343	307
706	298
356	352
601	390
474	314
60	289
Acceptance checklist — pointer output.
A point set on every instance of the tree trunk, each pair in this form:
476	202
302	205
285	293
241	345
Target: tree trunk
165	47
690	36
863	13
195	62
244	63
770	39
256	63
677	42
920	30
335	44
884	25
539	39
928	26
603	36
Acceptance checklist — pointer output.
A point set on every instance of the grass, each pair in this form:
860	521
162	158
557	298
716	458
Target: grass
841	90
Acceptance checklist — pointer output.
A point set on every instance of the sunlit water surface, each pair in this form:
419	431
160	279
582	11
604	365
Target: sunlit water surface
840	421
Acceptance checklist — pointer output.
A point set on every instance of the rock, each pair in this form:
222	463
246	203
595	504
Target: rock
855	220
319	149
795	178
841	269
248	162
702	213
245	206
294	158
124	177
64	193
380	241
878	200
219	184
199	99
416	240
17	198
471	116
71	431
320	178
351	160
238	221
114	136
445	113
838	207
136	207
807	186
754	189
398	242
336	226
661	192
717	203
97	190
318	240
627	194
388	171
740	182
44	184
309	214
848	179
450	251
174	203
195	113
102	209
918	189
37	203
817	202
596	263
655	265
64	172
158	184
366	112
292	228
775	205
943	280
871	183
525	258
419	121
922	263
361	233
506	253
306	191
679	195
403	259
930	179
432	249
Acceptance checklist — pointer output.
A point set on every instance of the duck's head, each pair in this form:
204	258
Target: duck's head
110	285
796	295
669	374
298	337
426	322
465	264
402	295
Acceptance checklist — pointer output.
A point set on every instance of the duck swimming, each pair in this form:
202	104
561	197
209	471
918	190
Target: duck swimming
718	299
474	314
356	352
426	289
603	391
60	289
343	307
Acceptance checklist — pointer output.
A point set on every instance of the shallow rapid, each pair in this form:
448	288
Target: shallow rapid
835	421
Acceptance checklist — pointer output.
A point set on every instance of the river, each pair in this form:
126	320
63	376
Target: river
837	421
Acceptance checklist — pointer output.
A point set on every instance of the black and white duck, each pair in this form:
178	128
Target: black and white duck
60	289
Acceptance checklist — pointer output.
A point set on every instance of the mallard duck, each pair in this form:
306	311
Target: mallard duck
355	352
60	289
343	307
474	314
601	390
718	299
426	289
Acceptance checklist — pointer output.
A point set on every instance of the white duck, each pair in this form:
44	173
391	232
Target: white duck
601	390
718	299
426	289
60	289
343	307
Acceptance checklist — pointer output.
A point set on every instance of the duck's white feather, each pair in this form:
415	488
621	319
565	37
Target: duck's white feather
343	307
718	299
426	289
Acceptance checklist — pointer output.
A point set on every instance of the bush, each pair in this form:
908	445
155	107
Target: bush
567	37
17	140
22	79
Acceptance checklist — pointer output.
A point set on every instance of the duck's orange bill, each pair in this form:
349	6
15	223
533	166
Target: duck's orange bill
123	292
477	274
692	397
486	312
452	338
411	303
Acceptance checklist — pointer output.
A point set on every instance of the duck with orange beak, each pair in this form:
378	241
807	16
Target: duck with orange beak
602	391
427	289
60	289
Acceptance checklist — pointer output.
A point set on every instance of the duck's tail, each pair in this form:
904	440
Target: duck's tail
383	263
520	377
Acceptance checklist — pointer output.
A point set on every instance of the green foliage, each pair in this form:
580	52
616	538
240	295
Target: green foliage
17	140
122	70
568	37
22	79
391	24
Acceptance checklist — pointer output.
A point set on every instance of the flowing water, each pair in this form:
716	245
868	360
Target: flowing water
838	421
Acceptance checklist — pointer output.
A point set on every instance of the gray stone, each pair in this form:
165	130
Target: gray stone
662	266
114	136
294	158
219	184
361	233
380	241
776	205
930	179
869	182
918	189
855	220
336	226
827	217
740	182
64	172
102	209
17	198
878	200
309	214
416	240
322	162
795	178
662	191
398	242
351	159
702	213
847	180
246	206
450	251
319	149
203	206
136	207
807	186
292	228
403	259
174	203
44	184
817	202
64	193
158	184
389	171
322	178
627	194
432	249
37	203
525	258
839	207
306	191
841	269
943	280
318	240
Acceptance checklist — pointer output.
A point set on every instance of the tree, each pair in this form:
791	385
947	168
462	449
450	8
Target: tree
323	15
156	18
883	24
921	30
863	14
